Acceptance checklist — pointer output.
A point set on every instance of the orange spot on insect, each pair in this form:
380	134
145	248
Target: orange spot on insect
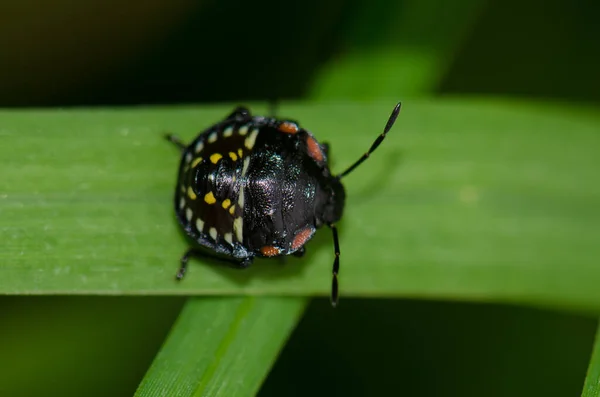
288	128
269	250
302	237
314	150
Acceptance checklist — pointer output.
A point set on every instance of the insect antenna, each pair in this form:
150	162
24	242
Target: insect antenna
377	142
273	107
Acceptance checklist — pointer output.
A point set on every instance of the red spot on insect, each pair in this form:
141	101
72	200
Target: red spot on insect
302	237
314	150
288	128
269	250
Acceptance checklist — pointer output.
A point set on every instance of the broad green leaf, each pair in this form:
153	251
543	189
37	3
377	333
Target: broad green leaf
591	388
221	347
464	200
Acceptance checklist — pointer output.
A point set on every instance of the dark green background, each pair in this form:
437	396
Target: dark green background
108	53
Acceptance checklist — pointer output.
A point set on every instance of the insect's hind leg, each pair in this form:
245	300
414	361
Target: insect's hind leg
239	264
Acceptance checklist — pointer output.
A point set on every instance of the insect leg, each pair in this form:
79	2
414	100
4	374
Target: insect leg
326	148
173	139
336	267
273	107
239	113
239	264
300	253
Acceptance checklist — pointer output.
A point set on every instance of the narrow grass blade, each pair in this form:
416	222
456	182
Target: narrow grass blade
392	47
464	200
591	388
222	347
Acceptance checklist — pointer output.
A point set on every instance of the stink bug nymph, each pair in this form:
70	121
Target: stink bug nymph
253	186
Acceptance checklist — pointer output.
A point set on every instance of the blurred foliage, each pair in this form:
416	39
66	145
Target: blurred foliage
84	346
107	52
420	348
97	52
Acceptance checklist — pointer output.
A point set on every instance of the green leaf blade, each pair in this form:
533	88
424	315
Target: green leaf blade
222	347
464	200
591	387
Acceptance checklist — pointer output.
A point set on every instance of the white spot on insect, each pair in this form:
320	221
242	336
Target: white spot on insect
238	223
213	233
199	225
238	228
251	140
229	238
245	167
243	130
188	157
212	137
188	214
228	132
181	203
199	146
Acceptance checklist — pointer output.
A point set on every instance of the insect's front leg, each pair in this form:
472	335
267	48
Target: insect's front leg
176	141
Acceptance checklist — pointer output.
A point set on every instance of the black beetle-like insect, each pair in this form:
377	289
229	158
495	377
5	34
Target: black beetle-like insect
258	186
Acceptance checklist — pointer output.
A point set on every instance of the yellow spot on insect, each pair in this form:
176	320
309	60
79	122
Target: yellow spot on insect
229	238
213	233
199	146
191	193
243	130
212	137
251	140
233	156
197	161
215	157
238	228
188	157
240	153
182	188
199	225
228	132
232	209
210	198
188	214
181	203
226	203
